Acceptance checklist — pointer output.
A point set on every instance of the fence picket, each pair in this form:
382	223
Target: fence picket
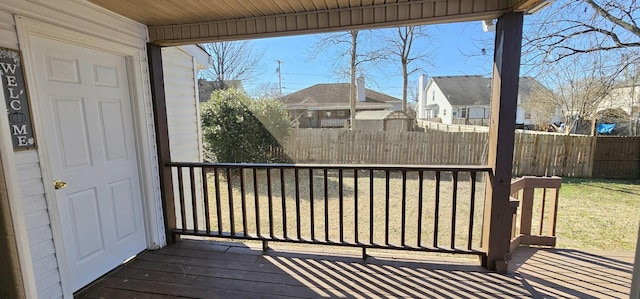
534	153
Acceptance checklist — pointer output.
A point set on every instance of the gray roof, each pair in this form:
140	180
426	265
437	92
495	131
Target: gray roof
465	90
528	85
335	96
476	90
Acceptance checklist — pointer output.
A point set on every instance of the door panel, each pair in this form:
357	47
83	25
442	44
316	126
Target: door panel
85	105
121	195
86	224
74	143
113	132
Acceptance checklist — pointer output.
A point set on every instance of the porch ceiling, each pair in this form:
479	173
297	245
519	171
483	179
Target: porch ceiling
176	22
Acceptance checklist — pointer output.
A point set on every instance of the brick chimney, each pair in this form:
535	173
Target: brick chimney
421	97
361	93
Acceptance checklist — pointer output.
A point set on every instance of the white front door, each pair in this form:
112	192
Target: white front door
84	102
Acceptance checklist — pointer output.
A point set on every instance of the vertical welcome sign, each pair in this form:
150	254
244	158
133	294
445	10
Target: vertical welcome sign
17	101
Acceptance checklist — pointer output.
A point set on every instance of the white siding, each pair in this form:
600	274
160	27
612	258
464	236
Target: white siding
45	266
8	36
180	85
434	95
83	17
33	198
182	105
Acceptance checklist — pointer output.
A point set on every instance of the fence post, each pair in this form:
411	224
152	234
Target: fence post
592	159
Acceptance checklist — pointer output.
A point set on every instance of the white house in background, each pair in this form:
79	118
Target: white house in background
456	100
625	96
466	100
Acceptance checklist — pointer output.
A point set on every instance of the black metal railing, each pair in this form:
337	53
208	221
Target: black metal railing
425	208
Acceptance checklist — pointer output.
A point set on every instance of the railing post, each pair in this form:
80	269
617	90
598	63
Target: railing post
154	53
554	213
504	87
526	212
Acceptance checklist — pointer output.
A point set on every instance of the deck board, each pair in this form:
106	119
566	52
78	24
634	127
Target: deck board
214	269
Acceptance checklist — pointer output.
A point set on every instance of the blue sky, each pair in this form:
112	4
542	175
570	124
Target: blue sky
455	49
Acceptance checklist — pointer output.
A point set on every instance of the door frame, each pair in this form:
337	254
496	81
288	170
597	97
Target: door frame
143	129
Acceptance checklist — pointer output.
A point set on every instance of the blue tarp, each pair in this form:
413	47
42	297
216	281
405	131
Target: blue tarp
606	128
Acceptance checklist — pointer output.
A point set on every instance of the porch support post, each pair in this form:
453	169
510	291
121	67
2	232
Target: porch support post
154	53
496	231
635	279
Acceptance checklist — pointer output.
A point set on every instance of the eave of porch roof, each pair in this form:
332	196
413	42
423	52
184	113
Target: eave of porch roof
178	22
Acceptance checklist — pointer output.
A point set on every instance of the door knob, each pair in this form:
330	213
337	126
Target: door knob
59	184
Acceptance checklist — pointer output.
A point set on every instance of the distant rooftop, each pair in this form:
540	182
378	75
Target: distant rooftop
476	90
335	96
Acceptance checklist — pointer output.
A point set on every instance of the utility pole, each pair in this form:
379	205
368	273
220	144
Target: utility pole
279	76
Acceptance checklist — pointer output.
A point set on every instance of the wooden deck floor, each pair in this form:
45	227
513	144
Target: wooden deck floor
207	269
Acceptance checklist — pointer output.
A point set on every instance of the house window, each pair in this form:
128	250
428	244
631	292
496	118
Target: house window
463	112
433	95
309	113
444	112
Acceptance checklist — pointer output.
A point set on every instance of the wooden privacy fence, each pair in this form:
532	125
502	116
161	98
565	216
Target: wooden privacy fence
385	147
617	157
544	154
534	154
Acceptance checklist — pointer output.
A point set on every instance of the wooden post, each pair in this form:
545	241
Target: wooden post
635	279
154	52
526	212
504	94
553	216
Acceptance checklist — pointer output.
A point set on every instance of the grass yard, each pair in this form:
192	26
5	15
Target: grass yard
598	214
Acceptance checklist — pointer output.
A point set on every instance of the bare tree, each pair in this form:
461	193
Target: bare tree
349	57
401	45
235	60
584	26
593	28
267	91
579	84
542	105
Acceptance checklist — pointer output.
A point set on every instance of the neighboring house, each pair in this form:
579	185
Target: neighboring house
206	87
624	96
328	106
457	99
466	100
524	115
